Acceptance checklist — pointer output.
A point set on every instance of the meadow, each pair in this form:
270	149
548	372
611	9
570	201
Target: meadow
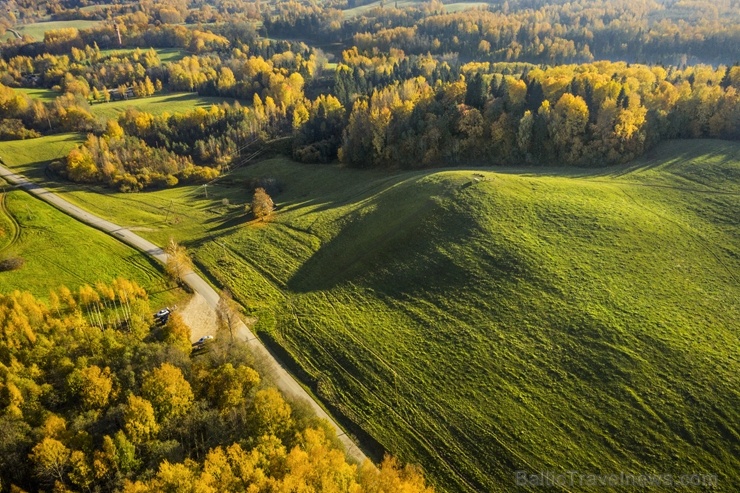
175	102
42	94
165	54
37	29
449	7
59	250
484	321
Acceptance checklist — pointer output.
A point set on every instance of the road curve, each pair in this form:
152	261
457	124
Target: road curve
278	374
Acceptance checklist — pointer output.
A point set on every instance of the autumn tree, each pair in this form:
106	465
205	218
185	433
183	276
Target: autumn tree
176	333
168	391
567	126
262	205
228	387
92	385
178	262
139	420
51	458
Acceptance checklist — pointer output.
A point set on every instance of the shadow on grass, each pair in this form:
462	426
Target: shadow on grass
401	245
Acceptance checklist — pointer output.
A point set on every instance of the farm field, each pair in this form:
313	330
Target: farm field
484	321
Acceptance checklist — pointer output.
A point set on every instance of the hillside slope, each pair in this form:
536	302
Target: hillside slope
487	322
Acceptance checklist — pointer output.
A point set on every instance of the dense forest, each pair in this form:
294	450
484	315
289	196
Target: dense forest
95	396
417	86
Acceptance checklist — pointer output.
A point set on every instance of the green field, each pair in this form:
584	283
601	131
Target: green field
37	29
41	94
31	156
178	102
450	7
165	54
169	102
59	250
481	322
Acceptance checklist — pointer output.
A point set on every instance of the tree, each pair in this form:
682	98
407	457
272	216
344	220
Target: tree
476	91
92	384
567	126
168	391
176	333
229	387
178	261
138	418
51	458
227	312
271	414
262	205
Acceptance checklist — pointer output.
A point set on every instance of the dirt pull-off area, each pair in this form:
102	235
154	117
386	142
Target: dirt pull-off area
200	317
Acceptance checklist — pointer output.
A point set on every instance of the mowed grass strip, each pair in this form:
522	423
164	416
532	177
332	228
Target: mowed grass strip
481	322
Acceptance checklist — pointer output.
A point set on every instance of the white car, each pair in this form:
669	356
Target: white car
203	340
164	312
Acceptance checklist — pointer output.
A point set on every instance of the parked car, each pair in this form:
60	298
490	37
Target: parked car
162	316
203	340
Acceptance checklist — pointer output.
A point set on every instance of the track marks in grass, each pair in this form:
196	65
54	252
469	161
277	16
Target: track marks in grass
13	231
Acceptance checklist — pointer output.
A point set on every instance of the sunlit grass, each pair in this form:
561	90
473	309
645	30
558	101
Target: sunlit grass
481	321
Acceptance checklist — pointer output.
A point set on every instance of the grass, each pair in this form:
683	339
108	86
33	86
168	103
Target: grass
37	29
45	95
179	102
460	6
450	7
165	54
481	322
59	250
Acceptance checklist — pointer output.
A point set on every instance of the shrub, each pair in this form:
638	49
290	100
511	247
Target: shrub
11	263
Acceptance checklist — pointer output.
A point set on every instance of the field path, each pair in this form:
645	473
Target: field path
277	373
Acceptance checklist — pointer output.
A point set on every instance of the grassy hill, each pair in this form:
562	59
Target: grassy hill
481	322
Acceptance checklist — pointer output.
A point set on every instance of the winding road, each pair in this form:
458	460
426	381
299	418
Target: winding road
277	373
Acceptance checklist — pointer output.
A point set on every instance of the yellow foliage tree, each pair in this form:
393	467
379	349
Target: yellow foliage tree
92	384
168	391
139	420
262	205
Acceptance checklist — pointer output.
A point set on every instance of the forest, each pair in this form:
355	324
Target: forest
407	88
96	396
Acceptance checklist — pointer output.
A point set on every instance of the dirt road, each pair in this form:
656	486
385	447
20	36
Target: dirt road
282	379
